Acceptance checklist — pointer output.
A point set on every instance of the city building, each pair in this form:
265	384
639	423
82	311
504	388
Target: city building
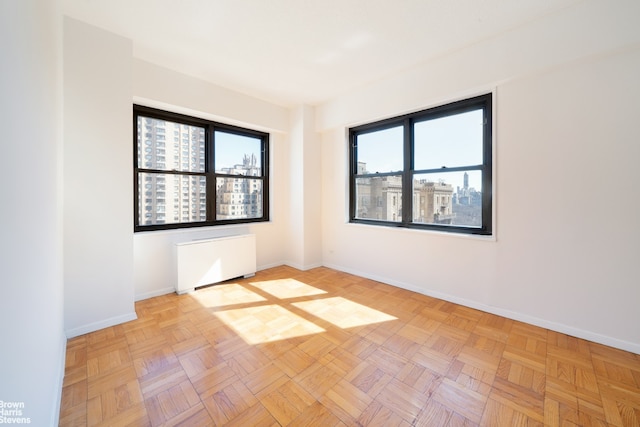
467	195
170	146
380	198
240	197
434	202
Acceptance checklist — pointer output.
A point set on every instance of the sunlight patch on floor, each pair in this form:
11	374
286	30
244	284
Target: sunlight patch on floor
225	295
342	312
267	323
261	319
287	288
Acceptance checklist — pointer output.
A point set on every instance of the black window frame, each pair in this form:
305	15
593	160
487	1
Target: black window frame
211	175
483	102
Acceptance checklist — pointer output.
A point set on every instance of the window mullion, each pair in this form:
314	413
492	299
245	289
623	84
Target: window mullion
407	174
487	172
353	170
211	176
265	175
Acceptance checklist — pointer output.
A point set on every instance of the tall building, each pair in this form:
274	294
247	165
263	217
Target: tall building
381	198
240	197
468	195
168	198
433	202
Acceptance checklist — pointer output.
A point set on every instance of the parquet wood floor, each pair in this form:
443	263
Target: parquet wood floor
326	348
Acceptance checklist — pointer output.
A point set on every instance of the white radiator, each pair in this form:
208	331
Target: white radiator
204	262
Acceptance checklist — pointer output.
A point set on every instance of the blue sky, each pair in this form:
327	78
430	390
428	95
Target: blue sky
449	141
231	148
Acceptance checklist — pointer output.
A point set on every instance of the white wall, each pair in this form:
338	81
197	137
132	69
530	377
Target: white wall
304	242
565	177
163	88
154	259
98	179
30	219
312	191
567	165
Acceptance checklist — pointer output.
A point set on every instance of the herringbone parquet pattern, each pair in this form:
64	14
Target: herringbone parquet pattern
325	348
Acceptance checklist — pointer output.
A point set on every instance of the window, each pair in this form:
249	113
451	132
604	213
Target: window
187	170
429	170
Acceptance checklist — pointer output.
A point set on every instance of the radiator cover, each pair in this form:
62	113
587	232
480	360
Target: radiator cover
205	262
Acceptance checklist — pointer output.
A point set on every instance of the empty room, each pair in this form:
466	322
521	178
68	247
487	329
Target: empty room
323	213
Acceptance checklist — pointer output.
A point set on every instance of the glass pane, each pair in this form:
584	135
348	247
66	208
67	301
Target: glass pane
238	154
167	145
238	198
449	141
379	198
448	198
171	199
380	151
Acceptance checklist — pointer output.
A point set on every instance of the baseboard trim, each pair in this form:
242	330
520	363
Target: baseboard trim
303	267
95	326
532	320
155	293
267	266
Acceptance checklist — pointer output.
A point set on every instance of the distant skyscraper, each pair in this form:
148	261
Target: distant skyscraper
240	197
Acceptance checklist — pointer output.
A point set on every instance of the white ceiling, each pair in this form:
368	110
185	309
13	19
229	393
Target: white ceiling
293	52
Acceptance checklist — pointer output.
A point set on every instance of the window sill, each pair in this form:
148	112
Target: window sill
435	233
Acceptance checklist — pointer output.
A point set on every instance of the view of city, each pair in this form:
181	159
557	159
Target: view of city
165	198
434	200
438	144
